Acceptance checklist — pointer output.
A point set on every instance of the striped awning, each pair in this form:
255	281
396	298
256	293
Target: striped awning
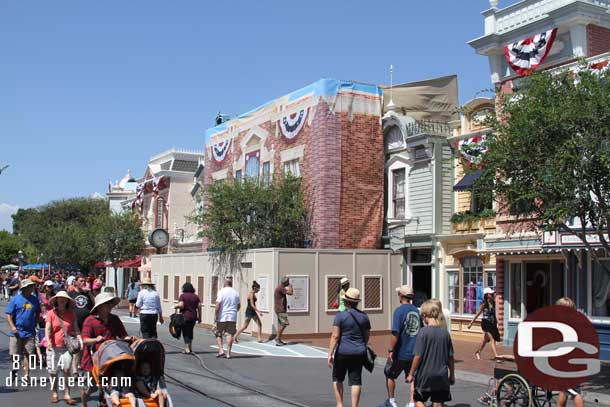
468	181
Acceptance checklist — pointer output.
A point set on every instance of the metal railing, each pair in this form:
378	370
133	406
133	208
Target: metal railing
427	127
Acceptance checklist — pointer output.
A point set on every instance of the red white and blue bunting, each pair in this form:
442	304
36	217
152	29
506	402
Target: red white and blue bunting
291	125
157	183
524	56
472	150
220	149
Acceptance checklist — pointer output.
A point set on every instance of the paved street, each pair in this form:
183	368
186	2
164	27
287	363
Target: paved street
259	375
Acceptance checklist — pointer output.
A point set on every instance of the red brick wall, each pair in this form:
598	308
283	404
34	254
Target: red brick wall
342	170
598	40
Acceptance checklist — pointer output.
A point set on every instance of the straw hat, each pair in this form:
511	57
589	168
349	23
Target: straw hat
344	281
60	294
26	282
103	298
405	291
147	281
352	295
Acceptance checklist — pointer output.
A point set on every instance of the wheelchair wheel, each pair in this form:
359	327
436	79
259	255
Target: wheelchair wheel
514	391
542	398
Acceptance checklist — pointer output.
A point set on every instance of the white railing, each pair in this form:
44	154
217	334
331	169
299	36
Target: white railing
527	11
591	60
176	150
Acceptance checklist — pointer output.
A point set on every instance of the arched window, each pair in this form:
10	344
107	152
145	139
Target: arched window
393	138
160	212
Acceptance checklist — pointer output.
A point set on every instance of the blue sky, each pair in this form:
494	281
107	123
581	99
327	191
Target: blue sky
92	88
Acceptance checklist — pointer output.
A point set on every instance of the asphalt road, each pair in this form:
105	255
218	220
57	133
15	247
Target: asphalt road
259	378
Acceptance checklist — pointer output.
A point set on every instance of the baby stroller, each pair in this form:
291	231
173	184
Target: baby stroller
153	352
112	353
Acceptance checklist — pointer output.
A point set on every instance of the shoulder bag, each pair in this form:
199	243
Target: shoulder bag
71	341
369	360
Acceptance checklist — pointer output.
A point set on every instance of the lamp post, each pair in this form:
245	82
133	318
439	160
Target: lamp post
20	256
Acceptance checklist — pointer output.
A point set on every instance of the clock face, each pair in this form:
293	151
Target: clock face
159	238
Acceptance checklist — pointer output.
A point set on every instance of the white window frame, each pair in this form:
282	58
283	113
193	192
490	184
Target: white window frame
326	291
290	163
397	165
380	279
213	300
589	292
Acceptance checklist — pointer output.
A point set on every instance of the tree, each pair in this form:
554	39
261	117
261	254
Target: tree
10	245
250	214
550	157
121	238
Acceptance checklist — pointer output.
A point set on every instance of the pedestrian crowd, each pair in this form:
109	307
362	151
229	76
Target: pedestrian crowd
59	322
64	319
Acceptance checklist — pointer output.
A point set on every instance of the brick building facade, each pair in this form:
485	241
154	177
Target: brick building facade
329	133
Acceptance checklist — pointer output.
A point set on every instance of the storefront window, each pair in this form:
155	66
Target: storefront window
454	292
600	295
472	284
490	279
515	295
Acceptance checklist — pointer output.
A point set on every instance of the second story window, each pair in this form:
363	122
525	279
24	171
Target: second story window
266	173
159	214
252	165
292	167
398	193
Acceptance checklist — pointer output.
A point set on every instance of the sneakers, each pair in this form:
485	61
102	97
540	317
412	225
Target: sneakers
410	404
388	403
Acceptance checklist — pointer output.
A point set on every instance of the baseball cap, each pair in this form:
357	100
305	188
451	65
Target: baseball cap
488	290
405	291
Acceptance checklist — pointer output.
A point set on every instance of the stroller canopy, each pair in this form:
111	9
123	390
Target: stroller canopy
109	353
151	351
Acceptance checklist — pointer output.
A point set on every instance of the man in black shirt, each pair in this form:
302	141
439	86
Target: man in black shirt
83	300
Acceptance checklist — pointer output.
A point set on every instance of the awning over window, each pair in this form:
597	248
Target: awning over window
468	181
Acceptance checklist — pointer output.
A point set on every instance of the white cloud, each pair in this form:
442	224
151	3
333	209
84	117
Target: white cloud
6	210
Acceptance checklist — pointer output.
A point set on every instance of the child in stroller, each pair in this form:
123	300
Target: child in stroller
118	383
149	385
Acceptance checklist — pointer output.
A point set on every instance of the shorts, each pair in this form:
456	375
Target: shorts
228	327
282	319
251	314
394	368
21	346
436	396
491	328
133	301
350	364
574	391
59	359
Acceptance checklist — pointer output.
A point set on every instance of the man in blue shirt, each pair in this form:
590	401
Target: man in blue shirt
405	326
22	315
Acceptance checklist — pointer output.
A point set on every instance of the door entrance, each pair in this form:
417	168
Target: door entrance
422	284
537	285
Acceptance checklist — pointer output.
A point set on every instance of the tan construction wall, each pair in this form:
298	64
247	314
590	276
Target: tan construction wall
316	265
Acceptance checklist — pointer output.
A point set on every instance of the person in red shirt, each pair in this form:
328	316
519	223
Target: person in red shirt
98	327
60	321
